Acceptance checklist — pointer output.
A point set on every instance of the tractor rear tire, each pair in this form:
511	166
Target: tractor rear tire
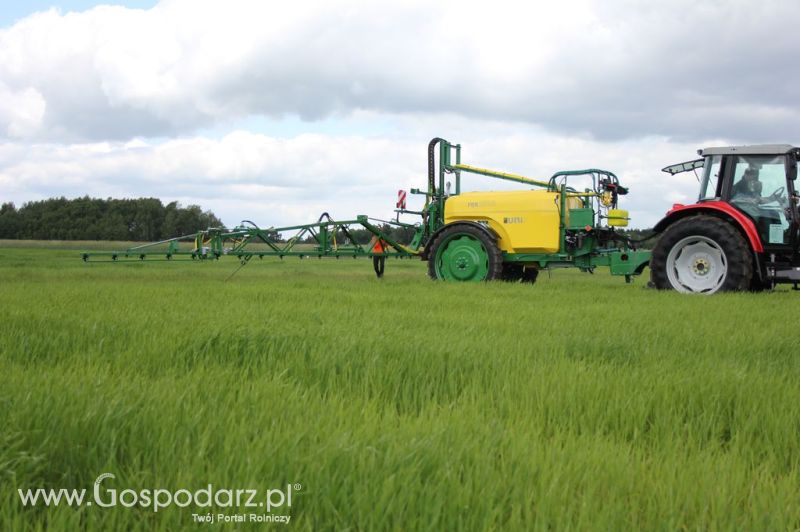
701	254
464	253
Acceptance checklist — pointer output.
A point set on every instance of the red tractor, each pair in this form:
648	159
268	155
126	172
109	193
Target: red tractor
742	234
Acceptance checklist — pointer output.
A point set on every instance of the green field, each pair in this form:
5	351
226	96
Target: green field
577	403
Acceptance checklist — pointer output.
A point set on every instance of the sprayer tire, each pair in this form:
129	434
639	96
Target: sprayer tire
515	273
530	275
512	272
464	253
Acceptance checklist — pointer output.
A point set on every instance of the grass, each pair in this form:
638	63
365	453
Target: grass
579	402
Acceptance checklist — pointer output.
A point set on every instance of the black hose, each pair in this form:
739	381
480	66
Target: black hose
616	237
640	240
431	163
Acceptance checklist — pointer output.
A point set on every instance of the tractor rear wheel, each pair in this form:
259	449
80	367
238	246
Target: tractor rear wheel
464	253
701	254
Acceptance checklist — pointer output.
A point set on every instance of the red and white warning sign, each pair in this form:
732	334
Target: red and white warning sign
401	199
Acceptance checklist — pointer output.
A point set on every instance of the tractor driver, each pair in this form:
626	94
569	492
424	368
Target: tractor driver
748	188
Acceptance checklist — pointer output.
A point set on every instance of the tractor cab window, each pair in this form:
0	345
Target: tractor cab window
708	187
759	189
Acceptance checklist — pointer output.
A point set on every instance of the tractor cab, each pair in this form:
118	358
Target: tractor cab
750	189
758	181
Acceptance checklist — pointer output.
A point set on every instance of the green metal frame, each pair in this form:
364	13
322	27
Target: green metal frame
583	241
213	243
590	254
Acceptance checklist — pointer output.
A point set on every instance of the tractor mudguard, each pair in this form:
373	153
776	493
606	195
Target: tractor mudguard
745	224
489	232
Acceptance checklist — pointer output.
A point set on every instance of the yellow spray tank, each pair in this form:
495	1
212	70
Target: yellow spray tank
526	221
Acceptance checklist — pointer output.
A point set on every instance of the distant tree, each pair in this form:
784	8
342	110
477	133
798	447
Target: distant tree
141	219
9	221
169	228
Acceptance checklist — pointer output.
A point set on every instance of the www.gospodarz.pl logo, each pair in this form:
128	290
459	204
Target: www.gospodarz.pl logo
156	499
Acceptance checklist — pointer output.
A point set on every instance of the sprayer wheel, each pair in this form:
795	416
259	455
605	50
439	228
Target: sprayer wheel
464	253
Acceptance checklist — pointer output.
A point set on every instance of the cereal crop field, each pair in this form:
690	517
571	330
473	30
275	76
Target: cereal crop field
399	403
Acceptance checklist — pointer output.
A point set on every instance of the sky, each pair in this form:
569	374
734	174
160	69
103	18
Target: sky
278	111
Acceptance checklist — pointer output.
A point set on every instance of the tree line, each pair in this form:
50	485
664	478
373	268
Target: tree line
140	219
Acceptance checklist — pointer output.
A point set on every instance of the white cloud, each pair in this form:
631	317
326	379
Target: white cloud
21	111
613	69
